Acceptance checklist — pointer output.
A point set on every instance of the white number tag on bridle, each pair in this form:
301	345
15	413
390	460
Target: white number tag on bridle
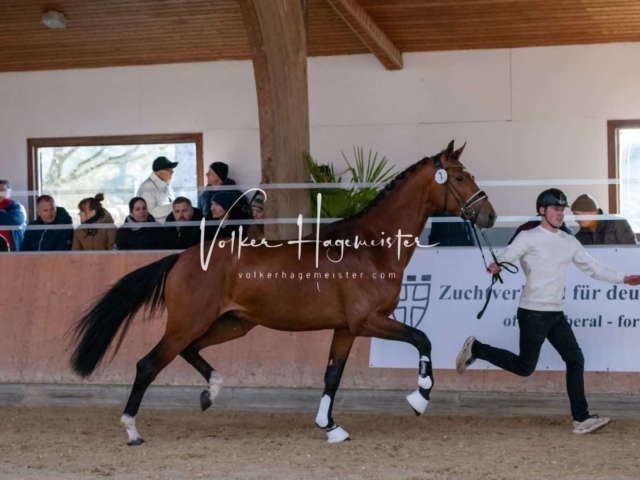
441	176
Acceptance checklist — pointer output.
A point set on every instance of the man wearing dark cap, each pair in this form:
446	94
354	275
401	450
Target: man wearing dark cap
217	176
156	190
600	232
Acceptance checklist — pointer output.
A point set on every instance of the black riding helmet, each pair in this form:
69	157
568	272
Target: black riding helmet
551	197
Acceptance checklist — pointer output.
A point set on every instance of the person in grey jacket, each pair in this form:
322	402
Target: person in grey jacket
600	232
156	190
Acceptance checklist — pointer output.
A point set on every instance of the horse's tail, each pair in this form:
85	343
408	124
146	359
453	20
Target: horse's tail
116	308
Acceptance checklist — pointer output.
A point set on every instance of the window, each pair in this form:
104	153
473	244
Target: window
70	169
624	166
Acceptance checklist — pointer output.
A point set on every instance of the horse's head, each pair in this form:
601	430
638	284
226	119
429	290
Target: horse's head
455	191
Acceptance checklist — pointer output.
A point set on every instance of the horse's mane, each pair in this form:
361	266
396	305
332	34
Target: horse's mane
390	187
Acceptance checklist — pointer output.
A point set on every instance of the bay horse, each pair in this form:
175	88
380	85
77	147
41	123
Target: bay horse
213	306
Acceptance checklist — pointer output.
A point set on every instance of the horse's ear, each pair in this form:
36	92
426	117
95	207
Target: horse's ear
449	150
456	155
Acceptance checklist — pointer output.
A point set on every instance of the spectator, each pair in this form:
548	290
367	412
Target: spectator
600	232
49	240
217	176
256	230
221	203
139	237
451	234
181	238
156	190
12	214
92	211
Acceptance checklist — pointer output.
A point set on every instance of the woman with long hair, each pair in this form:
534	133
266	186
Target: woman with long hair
133	235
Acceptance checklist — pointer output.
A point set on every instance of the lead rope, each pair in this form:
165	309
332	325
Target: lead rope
509	267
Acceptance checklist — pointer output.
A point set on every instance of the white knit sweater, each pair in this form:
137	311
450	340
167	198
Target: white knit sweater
545	257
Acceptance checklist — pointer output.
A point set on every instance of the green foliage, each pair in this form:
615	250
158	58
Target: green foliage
345	202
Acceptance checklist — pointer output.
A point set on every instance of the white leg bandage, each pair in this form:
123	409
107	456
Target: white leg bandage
130	425
215	385
322	419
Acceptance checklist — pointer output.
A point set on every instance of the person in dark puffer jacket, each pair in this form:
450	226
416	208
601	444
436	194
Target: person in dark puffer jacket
138	237
217	176
181	238
48	240
221	203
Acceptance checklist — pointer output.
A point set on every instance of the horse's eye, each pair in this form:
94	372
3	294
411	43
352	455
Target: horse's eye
460	178
473	178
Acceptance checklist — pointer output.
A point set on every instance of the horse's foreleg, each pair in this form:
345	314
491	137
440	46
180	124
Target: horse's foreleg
147	370
224	329
389	329
340	348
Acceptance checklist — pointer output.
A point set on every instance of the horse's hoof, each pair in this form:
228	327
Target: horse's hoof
137	441
337	435
205	400
416	412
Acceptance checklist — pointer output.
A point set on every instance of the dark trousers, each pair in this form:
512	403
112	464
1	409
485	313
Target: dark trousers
535	328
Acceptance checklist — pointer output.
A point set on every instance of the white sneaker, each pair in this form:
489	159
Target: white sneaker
590	425
465	358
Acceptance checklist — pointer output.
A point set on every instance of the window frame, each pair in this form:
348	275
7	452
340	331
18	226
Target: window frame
33	144
612	148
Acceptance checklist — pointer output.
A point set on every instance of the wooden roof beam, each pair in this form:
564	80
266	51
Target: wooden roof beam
369	33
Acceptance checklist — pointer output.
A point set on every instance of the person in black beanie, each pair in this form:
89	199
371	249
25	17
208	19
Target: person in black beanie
218	175
221	203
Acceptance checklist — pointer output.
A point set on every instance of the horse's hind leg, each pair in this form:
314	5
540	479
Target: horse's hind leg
227	327
340	348
213	378
146	371
383	327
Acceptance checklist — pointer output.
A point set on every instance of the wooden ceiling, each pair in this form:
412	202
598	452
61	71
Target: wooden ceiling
103	33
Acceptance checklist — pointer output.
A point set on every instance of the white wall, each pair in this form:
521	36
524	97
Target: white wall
534	113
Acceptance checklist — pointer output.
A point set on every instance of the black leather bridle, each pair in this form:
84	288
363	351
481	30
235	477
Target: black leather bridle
467	212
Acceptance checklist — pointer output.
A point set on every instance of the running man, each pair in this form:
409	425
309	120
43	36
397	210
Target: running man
545	253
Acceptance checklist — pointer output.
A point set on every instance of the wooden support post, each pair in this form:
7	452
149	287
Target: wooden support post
277	37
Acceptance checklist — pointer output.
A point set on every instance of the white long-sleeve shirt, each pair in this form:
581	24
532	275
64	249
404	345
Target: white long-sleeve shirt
545	257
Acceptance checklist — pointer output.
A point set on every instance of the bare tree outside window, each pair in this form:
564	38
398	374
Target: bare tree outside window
72	172
629	172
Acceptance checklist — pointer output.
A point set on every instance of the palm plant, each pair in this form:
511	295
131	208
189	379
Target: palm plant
367	178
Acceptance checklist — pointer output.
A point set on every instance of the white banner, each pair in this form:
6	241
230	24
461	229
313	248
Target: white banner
443	291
